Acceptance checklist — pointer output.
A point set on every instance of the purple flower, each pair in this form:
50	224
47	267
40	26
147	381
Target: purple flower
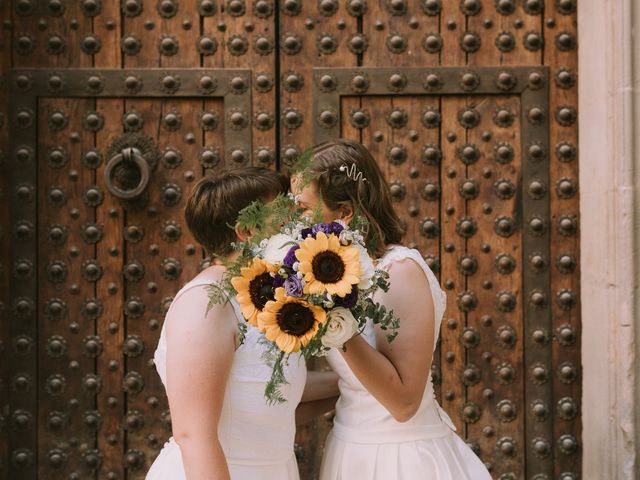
350	300
293	286
306	232
327	228
290	257
336	227
278	281
320	227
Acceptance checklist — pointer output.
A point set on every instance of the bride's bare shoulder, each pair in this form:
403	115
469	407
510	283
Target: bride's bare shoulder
191	306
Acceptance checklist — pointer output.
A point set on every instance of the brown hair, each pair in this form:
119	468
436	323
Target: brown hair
215	201
370	198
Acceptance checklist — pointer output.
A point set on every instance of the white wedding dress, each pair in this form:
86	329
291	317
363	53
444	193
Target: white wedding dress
367	443
257	438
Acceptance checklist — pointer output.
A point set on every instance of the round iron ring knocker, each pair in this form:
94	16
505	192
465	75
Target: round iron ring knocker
129	156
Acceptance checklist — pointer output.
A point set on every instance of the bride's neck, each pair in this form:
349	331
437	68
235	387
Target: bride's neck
223	260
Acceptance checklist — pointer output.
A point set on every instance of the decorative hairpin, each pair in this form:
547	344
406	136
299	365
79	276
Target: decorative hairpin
352	172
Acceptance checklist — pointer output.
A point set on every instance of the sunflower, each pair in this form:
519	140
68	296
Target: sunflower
255	288
291	322
328	266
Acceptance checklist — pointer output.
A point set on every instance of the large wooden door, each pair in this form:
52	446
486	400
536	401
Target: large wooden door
117	107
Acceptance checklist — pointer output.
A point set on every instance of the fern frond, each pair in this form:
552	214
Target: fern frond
272	391
217	296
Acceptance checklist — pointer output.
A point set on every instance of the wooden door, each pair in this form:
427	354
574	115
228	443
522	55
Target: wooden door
470	108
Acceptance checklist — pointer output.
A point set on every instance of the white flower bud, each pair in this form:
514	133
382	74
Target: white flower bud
341	327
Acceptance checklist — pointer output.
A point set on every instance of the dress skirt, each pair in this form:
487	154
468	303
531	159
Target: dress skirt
168	466
446	457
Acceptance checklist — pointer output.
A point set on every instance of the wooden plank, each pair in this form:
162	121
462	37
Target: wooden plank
452	356
495	337
212	141
142	400
110	218
453	210
259	34
65	374
5	235
312	28
564	262
452	26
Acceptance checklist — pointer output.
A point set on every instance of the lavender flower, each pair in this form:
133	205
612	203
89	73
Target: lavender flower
293	286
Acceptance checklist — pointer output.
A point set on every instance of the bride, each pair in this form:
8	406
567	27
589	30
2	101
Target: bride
388	425
222	425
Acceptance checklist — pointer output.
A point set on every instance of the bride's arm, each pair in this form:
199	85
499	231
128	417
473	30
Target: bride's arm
199	356
396	374
320	386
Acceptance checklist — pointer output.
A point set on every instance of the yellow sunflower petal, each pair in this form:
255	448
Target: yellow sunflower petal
350	254
341	289
280	294
322	241
287	343
305	267
240	283
304	254
333	243
248	310
315	287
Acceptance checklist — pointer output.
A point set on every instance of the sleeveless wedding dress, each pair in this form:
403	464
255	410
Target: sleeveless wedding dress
257	439
367	443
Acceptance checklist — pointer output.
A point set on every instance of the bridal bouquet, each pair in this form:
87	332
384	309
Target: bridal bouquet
307	287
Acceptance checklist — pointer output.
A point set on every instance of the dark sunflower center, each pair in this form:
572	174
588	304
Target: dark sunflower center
261	290
328	267
295	319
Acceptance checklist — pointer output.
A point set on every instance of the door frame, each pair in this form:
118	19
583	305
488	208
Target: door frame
609	116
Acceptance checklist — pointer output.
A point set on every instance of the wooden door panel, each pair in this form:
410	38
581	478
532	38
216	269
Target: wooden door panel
108	267
68	271
466	177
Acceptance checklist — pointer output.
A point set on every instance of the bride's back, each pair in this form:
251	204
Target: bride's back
250	431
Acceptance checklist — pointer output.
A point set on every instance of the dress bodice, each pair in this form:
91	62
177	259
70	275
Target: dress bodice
357	411
251	431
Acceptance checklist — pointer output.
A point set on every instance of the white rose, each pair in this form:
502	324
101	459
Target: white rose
277	247
367	269
341	327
